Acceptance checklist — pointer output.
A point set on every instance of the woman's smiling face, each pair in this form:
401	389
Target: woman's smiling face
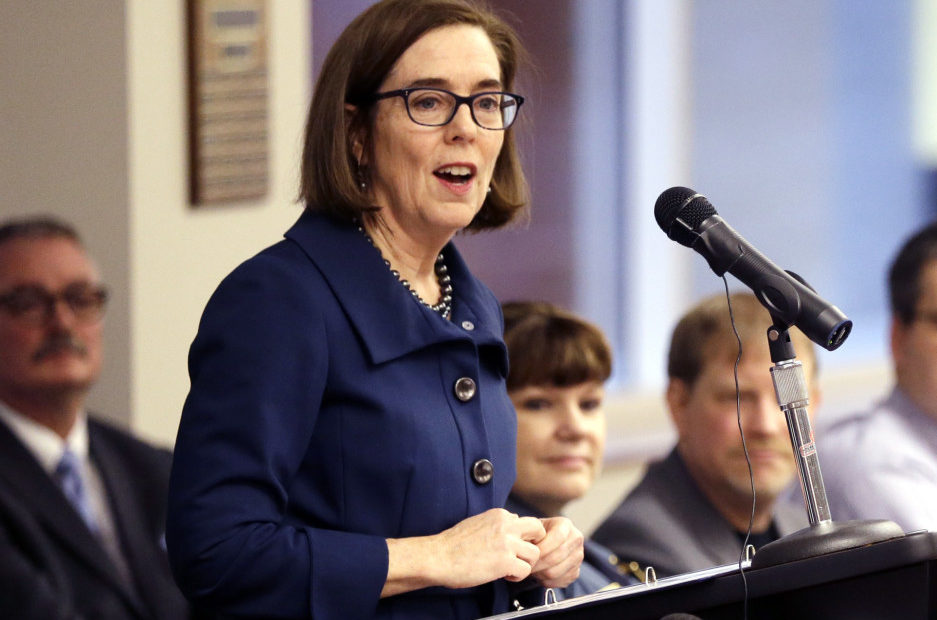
560	442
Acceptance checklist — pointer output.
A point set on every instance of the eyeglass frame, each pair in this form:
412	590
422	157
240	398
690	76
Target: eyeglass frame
405	93
49	302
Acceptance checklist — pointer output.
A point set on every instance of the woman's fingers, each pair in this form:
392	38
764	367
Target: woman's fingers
525	557
492	545
561	553
530	528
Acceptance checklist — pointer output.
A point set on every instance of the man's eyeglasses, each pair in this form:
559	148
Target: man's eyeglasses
36	305
434	107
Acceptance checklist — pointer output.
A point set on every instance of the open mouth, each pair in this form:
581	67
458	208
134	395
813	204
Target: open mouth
457	175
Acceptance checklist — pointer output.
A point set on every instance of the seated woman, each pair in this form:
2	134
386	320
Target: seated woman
558	366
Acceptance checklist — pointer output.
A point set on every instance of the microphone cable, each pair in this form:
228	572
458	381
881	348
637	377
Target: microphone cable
751	474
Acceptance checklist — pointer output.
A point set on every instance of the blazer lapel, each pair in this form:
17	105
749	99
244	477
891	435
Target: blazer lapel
140	546
356	273
39	495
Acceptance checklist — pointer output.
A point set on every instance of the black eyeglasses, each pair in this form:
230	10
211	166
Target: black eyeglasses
36	305
434	107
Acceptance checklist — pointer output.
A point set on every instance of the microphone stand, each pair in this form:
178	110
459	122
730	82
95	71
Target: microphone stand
823	535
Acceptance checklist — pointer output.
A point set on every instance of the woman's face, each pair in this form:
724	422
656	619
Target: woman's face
560	442
431	181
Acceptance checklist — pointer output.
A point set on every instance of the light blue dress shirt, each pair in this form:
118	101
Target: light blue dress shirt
882	464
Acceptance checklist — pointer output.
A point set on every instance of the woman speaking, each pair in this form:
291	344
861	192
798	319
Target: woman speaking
348	441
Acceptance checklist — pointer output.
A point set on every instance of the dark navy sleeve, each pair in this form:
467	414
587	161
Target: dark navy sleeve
258	369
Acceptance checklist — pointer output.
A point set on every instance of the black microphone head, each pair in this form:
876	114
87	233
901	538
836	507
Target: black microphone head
679	211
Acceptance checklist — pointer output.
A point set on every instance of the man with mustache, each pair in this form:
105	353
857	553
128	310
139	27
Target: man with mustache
82	504
691	511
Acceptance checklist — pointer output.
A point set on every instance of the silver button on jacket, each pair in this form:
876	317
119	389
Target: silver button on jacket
483	471
464	389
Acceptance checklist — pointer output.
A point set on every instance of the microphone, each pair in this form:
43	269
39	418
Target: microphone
689	219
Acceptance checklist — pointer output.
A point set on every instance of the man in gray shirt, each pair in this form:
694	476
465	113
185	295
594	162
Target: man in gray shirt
692	510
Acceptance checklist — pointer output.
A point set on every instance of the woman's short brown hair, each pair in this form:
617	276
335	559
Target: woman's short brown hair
354	69
548	346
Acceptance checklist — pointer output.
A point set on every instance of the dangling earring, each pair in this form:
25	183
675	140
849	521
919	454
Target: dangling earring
361	177
489	189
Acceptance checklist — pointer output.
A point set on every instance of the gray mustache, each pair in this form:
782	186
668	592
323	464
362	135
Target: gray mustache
60	342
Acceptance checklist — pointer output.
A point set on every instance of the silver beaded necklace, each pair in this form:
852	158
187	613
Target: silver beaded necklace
444	307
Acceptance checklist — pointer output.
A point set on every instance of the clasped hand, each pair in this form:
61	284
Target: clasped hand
498	544
492	545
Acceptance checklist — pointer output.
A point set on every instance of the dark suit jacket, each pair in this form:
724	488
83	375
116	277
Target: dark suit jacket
666	522
52	567
330	410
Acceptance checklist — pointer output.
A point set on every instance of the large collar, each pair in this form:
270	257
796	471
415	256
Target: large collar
44	444
390	321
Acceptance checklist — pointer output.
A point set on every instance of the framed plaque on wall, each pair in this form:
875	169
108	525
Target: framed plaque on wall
228	100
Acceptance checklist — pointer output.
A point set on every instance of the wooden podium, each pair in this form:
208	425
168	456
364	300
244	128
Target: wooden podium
895	579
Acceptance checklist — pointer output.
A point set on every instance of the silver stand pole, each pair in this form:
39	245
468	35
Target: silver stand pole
790	387
823	535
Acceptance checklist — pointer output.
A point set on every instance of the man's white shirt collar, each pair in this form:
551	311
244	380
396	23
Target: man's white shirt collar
44	443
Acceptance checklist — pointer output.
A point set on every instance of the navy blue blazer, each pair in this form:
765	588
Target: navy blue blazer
322	419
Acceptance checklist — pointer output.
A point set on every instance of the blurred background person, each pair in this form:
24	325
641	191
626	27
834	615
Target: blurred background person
691	510
881	463
558	367
82	504
348	443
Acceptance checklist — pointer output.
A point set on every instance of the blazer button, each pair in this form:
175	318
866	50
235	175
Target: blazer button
464	389
482	471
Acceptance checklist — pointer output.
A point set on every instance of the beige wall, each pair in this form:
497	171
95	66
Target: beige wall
179	254
63	145
94	130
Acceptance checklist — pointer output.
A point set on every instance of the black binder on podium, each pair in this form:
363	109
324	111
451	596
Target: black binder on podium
893	579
